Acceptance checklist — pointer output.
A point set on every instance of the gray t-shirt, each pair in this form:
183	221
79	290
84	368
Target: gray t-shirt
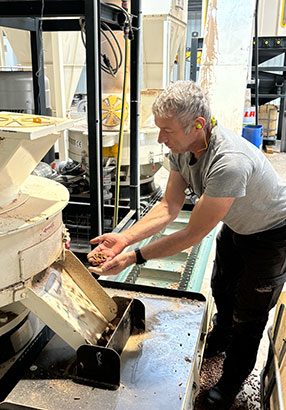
233	167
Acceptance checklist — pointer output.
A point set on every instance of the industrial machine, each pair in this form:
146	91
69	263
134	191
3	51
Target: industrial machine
151	156
37	273
168	22
32	232
16	91
63	66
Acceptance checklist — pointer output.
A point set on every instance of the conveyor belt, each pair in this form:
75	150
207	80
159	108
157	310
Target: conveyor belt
183	271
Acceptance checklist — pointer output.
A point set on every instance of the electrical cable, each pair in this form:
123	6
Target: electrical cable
82	30
121	134
127	29
117	44
125	12
106	65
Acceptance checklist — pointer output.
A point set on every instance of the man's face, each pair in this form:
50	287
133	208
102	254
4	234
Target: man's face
173	136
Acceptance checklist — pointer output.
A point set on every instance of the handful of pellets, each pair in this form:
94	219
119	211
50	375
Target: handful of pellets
98	259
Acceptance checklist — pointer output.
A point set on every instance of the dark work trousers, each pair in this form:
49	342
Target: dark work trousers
247	279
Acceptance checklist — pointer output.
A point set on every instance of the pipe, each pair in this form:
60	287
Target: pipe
122	121
121	135
135	65
93	49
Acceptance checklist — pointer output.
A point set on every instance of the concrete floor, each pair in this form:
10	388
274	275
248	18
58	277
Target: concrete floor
278	161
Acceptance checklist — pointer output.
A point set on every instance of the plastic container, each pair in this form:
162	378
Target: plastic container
249	116
254	134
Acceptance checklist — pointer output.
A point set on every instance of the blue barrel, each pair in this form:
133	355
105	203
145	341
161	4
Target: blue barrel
253	134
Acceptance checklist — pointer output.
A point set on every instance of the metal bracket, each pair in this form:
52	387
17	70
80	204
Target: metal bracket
99	366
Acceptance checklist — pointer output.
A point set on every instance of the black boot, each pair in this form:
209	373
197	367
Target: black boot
222	395
217	341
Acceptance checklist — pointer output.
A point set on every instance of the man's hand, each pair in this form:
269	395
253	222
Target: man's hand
116	265
110	245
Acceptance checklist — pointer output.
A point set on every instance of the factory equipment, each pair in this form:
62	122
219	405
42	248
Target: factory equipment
151	153
31	224
68	69
164	40
170	25
169	22
271	18
37	272
16	92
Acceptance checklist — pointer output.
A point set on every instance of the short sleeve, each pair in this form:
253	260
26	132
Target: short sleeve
173	161
229	176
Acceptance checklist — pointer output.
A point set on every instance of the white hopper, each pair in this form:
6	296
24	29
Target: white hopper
31	238
73	58
164	36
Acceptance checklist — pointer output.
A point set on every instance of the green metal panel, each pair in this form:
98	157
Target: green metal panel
184	271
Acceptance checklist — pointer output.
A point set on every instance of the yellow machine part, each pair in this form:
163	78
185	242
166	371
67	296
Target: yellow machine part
110	151
283	18
111	111
199	56
24	120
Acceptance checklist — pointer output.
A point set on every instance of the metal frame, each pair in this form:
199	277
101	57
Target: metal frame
262	46
134	110
99	365
272	367
266	48
194	54
23	360
24	14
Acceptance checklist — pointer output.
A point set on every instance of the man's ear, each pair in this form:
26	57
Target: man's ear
200	123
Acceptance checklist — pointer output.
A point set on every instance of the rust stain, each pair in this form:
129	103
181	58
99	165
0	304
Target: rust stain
210	48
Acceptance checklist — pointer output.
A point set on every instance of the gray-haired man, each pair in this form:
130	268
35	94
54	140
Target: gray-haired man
235	184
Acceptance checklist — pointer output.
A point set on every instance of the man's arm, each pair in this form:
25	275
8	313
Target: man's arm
207	213
163	213
111	244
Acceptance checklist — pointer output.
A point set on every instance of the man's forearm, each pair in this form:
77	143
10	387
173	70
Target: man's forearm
207	213
170	245
156	219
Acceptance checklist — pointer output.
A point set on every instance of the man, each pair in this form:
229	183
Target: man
235	184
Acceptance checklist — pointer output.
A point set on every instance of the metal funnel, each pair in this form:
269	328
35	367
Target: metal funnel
24	140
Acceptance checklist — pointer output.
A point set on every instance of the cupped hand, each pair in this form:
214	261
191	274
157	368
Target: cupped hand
110	245
115	265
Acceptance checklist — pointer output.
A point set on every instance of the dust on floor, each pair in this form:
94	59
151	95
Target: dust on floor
247	399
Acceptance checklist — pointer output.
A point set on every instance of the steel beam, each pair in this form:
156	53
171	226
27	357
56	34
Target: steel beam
134	109
93	55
